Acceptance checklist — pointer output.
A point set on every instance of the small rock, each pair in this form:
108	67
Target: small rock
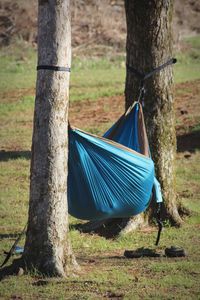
184	112
20	272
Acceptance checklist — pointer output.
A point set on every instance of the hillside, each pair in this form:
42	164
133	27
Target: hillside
94	22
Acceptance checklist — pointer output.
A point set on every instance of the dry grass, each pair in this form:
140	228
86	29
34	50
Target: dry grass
94	23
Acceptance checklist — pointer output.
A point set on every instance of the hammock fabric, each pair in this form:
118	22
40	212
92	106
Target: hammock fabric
130	131
111	176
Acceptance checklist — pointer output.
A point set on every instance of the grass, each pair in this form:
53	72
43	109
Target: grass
90	78
105	273
17	65
188	65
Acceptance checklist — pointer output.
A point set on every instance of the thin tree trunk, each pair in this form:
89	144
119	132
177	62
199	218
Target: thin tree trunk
149	44
47	246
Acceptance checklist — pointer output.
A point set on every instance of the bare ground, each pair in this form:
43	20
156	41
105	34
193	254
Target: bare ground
93	114
109	109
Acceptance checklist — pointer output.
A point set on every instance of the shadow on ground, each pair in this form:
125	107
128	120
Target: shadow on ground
8	155
109	228
188	142
12	269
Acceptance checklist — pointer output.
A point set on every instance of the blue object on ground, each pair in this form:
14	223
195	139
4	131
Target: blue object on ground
18	250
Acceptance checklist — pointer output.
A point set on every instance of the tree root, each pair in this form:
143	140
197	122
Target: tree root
184	211
112	228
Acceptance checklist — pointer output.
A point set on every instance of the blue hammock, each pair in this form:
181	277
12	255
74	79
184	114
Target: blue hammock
111	179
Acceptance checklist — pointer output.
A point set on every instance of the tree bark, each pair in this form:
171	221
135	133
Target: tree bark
47	246
149	44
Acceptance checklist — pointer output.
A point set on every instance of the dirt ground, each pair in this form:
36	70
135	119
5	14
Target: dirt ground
109	109
91	114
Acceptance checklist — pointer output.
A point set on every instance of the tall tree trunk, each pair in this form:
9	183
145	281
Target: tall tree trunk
149	44
47	246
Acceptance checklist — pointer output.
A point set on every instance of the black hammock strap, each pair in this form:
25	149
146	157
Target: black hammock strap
159	222
53	68
12	249
144	76
169	62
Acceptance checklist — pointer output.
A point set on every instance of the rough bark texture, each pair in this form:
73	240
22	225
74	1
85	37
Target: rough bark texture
47	247
149	44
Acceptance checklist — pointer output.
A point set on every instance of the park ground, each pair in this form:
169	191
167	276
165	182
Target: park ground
96	101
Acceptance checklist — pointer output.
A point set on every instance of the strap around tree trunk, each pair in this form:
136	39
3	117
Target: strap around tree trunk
53	68
144	76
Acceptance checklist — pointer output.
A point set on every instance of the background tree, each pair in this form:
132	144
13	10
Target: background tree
149	44
47	246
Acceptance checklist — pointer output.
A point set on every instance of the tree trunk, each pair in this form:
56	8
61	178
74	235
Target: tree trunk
47	246
149	44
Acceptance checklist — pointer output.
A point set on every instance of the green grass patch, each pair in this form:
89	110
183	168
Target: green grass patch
17	67
91	78
196	128
188	65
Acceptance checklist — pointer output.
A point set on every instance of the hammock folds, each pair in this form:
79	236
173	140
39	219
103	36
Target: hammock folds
111	176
